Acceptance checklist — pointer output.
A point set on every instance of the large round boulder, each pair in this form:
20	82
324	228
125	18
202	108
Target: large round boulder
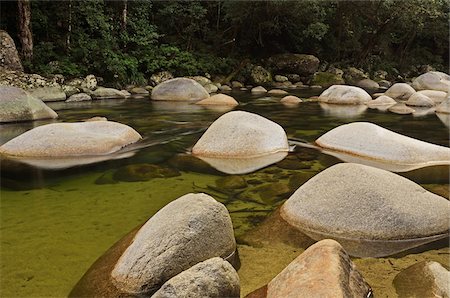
373	142
341	94
401	91
179	89
432	80
189	230
213	278
9	57
294	63
323	270
240	134
18	105
371	212
71	139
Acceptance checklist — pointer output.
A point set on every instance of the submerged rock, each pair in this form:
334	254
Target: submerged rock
424	279
219	99
401	91
45	94
18	105
231	182
71	139
420	100
371	212
179	89
240	134
323	270
341	94
213	278
432	80
144	172
189	230
373	142
343	111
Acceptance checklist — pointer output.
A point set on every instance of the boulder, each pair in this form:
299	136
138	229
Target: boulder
444	107
219	99
107	93
419	100
211	88
380	75
259	75
71	139
48	93
189	230
336	71
382	100
401	109
259	89
436	96
294	63
236	84
432	80
225	88
70	90
125	93
162	76
368	84
179	89
9	57
353	75
323	270
281	79
201	80
401	91
342	94
277	92
89	82
290	99
293	77
374	142
213	278
384	84
327	79
423	279
18	105
139	91
240	134
79	97
369	211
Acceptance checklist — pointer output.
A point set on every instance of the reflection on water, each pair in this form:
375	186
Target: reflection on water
56	223
343	111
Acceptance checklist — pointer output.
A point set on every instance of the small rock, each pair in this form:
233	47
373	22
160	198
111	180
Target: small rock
444	107
327	79
290	99
259	75
225	88
368	84
236	84
436	96
90	82
107	93
277	92
70	90
384	84
79	97
401	91
419	100
219	99
160	77
231	182
281	79
259	89
139	91
179	89
352	75
211	88
383	100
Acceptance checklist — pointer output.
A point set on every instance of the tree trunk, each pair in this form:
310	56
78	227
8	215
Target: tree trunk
25	35
124	14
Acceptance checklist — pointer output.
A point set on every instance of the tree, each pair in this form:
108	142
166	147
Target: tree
25	35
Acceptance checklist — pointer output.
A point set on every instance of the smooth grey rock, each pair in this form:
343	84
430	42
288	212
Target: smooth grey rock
241	134
139	91
189	230
341	94
259	89
323	270
368	84
374	142
18	105
401	109
225	88
107	93
290	99
382	100
419	100
71	139
277	92
219	99
213	278
401	91
444	107
432	80
9	57
423	279
179	89
436	96
79	97
48	93
369	211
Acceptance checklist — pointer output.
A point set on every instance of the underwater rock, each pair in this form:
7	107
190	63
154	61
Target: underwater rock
347	95
144	172
213	278
291	162
179	89
381	101
231	182
323	270
189	230
371	212
18	105
432	80
107	93
424	279
240	134
219	99
273	191
436	96
71	139
343	111
401	91
190	163
419	100
290	100
373	142
401	109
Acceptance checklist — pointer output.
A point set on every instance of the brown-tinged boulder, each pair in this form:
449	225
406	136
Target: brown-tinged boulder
9	57
300	64
290	100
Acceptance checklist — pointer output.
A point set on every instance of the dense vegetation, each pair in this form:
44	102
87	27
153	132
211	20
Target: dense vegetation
127	41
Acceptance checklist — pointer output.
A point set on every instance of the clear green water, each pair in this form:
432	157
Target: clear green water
55	224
